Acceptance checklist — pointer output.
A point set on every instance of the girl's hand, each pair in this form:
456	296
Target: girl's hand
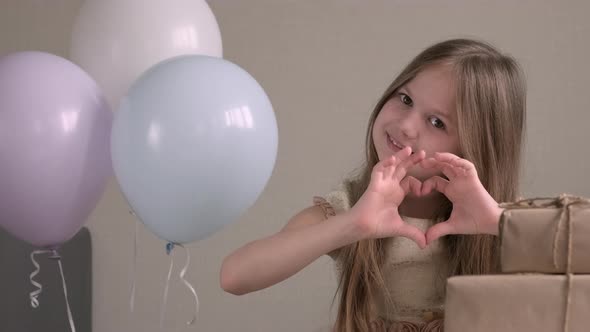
376	212
474	210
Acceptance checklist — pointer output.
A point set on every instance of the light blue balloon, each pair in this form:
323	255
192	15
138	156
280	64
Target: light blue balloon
193	146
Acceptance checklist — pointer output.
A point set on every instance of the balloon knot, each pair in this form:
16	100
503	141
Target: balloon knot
54	255
169	247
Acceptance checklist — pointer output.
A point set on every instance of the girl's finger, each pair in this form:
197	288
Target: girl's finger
411	185
447	169
389	170
464	164
405	165
396	160
455	161
435	183
439	230
377	173
389	161
452	159
428	162
445	156
380	167
403	154
414	159
412	233
450	171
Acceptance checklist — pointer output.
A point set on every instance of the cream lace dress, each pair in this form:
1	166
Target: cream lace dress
415	278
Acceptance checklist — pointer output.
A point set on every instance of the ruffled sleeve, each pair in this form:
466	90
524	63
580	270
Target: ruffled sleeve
333	203
325	205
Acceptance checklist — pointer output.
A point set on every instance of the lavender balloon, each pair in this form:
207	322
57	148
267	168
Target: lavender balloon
54	147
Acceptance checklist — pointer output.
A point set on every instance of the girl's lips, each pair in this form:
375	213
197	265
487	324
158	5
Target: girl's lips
395	145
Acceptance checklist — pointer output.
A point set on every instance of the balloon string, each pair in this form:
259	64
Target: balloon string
34	295
169	247
134	265
190	287
63	282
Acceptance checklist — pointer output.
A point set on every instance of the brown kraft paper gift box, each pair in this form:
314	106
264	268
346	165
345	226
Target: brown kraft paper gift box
518	303
547	235
535	235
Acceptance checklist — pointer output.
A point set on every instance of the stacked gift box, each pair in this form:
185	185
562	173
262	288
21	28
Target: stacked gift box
545	266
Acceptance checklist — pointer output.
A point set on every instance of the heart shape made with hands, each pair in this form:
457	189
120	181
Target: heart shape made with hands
474	210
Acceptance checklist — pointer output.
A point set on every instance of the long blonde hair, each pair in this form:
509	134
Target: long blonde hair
490	106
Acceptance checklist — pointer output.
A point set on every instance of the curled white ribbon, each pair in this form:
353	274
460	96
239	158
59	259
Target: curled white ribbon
165	299
169	248
35	294
190	287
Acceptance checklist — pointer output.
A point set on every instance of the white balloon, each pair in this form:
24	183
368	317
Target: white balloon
117	40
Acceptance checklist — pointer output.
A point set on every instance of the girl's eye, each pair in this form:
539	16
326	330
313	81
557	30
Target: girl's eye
436	122
405	99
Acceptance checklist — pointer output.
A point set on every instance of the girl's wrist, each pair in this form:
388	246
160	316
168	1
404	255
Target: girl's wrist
494	220
354	229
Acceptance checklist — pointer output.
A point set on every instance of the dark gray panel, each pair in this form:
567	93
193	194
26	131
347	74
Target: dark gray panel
16	313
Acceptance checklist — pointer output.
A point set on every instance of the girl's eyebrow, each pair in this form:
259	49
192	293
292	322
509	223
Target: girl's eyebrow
440	113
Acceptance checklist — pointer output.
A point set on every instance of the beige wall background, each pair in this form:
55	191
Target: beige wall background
323	64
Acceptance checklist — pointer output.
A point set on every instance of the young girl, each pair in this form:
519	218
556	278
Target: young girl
443	148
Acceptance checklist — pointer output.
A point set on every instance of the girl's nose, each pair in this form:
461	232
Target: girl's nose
409	125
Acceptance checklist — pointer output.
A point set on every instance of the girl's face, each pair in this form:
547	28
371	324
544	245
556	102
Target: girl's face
420	114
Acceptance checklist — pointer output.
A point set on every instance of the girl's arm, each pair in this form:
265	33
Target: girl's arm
306	237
